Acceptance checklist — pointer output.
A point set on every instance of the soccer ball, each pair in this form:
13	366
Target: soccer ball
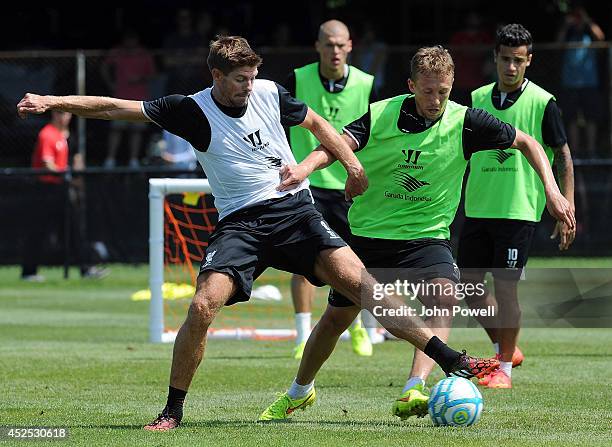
455	401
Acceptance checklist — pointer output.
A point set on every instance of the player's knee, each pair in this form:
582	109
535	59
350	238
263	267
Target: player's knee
444	301
336	321
201	313
299	280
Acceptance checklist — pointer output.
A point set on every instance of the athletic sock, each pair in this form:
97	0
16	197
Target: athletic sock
496	347
297	391
411	382
302	326
176	399
506	367
441	353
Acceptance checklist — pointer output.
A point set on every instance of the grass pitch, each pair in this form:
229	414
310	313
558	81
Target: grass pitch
75	354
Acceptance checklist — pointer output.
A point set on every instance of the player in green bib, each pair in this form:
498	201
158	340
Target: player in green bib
504	197
414	149
340	93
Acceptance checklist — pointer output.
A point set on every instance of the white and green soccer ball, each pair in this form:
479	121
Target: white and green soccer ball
455	401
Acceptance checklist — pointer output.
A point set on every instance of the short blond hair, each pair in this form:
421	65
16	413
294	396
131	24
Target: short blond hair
230	52
432	60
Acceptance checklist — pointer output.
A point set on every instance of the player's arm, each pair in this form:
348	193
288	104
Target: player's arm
319	158
554	136
99	107
337	146
558	206
565	175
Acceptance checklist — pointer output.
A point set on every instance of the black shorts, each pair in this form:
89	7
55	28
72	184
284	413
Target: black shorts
334	208
424	259
286	233
500	246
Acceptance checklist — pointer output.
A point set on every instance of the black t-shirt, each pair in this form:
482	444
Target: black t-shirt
553	132
182	116
332	86
481	130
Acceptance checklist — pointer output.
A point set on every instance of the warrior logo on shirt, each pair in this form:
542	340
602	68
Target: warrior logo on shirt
411	160
408	182
255	140
333	113
501	155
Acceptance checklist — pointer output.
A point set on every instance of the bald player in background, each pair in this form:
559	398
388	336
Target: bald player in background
340	93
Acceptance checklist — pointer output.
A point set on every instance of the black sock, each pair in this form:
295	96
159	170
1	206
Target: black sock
441	353
176	399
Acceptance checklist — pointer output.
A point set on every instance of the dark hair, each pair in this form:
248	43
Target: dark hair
230	52
513	35
434	59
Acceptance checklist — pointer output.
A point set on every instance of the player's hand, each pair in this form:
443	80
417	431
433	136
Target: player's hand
32	103
291	176
566	235
356	183
560	209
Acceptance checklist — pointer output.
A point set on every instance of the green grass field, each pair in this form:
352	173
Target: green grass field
75	354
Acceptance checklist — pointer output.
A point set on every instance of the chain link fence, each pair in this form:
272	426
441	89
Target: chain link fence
586	113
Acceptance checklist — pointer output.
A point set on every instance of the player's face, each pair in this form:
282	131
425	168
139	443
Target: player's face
333	50
235	87
431	92
511	64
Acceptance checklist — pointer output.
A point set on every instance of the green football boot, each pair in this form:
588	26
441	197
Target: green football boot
413	402
360	341
284	406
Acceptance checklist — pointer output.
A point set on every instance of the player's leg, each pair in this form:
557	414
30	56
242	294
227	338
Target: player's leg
324	258
212	292
422	260
320	345
233	260
475	257
509	326
343	270
334	208
415	396
512	242
302	294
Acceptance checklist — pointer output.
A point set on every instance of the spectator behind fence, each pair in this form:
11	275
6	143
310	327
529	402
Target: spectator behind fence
127	70
183	63
51	152
176	152
584	105
371	56
473	66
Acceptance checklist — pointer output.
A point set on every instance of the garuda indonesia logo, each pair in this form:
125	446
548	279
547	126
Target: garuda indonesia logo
408	182
501	155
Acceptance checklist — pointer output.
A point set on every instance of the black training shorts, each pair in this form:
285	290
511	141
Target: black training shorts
287	233
334	209
423	260
500	246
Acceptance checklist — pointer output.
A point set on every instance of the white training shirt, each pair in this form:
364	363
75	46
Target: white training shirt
241	156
